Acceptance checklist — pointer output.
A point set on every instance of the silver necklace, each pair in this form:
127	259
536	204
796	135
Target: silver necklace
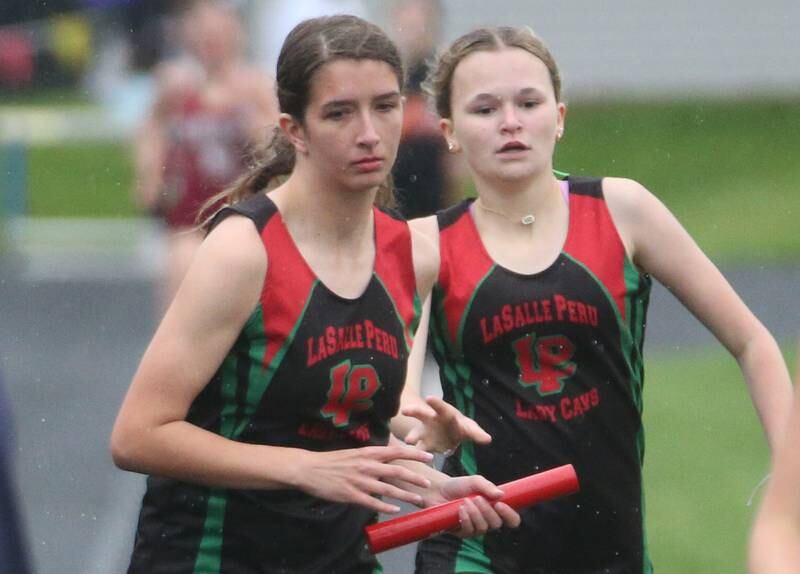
526	219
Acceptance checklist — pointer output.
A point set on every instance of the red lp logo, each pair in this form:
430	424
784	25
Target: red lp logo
544	362
352	389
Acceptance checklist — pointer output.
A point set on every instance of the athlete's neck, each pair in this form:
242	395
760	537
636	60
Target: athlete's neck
313	210
537	196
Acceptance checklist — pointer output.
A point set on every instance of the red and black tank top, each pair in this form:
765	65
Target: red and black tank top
550	364
309	370
206	150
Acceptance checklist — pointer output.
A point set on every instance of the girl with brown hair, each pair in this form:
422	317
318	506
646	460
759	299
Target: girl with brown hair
261	407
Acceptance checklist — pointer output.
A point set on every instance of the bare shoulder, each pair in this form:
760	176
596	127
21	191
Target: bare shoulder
425	244
234	247
623	194
628	199
223	283
630	204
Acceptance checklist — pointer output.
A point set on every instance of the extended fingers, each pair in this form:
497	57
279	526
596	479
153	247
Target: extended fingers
377	463
473	431
380	488
441	408
376	504
395	472
421	411
450	415
372	478
396	452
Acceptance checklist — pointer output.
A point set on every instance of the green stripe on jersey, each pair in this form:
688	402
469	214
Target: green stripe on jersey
626	342
261	378
637	292
209	556
471	557
457	374
635	308
460	333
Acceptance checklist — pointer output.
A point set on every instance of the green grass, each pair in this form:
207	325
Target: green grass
61	97
728	170
90	180
705	454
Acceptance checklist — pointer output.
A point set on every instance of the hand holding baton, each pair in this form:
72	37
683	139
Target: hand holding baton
518	494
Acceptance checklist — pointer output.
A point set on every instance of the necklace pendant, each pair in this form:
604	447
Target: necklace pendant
528	219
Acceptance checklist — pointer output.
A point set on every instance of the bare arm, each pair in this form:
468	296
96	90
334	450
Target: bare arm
151	434
425	244
402	424
663	248
775	540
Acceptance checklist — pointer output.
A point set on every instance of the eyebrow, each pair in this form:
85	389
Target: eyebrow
529	92
387	95
350	102
523	92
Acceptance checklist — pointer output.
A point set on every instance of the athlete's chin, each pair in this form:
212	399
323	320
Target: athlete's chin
514	173
368	181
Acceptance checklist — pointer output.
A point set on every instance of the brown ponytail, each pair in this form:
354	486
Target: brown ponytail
267	164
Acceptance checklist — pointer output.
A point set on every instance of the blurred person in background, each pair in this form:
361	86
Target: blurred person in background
132	38
210	109
537	317
13	549
426	178
261	407
775	539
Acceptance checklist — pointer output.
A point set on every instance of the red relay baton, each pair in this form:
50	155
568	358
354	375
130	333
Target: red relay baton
427	522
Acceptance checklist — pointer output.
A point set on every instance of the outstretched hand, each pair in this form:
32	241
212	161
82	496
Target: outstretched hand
479	514
442	427
359	475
